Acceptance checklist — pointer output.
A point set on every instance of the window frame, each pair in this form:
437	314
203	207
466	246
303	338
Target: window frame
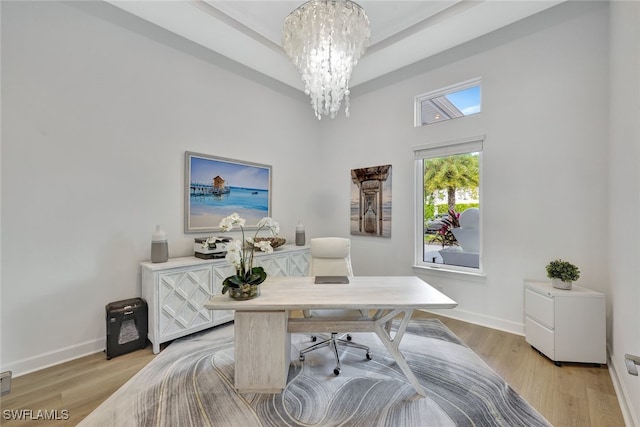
477	81
466	145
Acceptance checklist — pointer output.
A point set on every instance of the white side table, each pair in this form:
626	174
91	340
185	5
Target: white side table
565	325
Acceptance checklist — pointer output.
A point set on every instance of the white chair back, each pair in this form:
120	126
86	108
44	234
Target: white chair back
330	256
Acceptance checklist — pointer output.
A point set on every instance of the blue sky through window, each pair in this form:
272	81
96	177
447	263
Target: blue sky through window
467	100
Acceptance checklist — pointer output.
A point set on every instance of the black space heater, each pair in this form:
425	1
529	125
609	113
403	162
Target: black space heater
126	326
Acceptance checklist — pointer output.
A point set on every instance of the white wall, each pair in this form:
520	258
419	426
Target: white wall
97	116
624	202
544	194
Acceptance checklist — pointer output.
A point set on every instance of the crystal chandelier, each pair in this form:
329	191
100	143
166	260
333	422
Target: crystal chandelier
325	39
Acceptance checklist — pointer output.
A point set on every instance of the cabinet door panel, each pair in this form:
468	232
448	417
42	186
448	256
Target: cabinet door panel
299	264
219	274
274	265
540	337
182	295
539	307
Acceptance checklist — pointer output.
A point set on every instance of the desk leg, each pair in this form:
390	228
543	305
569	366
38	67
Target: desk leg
262	351
392	343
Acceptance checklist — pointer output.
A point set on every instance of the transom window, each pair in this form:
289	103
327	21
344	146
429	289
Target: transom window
448	221
459	100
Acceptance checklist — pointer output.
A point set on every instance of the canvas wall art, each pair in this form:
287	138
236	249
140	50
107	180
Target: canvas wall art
371	201
216	187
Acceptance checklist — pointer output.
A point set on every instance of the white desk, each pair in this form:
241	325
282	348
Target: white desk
263	327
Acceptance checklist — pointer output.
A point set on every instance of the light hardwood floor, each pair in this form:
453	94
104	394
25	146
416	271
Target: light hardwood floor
571	395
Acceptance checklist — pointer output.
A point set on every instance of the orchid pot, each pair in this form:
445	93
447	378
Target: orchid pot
240	253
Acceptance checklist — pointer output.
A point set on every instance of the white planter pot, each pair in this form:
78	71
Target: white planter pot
559	284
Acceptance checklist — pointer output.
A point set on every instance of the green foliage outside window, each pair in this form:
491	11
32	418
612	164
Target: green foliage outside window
451	173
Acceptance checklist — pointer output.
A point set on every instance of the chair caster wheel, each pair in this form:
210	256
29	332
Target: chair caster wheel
301	358
336	371
368	356
314	339
348	337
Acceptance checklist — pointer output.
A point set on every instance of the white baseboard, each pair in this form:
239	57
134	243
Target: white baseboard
482	320
46	360
630	418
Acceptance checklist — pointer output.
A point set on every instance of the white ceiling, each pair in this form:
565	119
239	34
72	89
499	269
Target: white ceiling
402	32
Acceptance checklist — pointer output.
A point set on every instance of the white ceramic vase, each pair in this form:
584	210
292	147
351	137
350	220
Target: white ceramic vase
159	246
559	284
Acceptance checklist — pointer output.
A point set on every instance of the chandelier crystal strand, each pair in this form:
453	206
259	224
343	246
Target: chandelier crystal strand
325	39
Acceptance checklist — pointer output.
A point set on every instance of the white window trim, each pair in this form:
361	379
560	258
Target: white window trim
439	149
417	120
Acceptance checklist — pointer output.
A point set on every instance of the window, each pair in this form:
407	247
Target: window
462	99
448	225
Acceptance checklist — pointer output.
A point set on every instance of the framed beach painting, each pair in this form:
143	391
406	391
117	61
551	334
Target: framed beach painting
216	187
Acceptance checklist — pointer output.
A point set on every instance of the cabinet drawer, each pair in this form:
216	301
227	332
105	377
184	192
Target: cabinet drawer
539	307
540	337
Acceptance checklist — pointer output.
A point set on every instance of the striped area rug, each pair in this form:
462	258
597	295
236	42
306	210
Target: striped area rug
190	383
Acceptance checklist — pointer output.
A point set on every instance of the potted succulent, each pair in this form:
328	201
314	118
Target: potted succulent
562	273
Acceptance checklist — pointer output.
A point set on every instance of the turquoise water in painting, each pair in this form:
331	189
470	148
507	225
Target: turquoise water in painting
238	199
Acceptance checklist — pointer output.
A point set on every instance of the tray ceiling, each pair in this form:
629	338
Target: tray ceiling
403	32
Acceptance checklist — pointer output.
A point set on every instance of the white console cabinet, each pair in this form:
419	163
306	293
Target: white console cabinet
565	325
176	290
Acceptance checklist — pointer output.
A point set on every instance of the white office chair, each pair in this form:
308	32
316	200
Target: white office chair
330	256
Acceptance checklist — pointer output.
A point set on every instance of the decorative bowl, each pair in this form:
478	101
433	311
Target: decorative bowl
275	241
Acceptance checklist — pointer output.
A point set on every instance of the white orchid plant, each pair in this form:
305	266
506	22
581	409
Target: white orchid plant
240	252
